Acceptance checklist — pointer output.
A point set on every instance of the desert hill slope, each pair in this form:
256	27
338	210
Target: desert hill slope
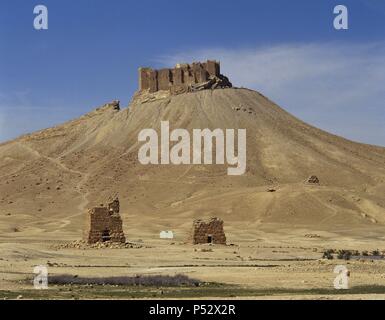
49	178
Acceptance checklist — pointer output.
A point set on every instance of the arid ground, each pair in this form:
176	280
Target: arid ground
275	240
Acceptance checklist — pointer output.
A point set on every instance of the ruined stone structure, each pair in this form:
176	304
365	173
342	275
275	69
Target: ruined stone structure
210	231
313	180
105	224
183	78
115	104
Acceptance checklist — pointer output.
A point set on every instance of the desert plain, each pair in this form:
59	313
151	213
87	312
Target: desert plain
277	225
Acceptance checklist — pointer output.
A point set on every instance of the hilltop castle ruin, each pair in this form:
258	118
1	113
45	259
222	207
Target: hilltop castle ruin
183	78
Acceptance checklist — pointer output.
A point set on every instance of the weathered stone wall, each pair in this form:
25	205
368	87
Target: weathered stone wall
148	79
210	231
181	78
212	67
114	205
105	224
164	79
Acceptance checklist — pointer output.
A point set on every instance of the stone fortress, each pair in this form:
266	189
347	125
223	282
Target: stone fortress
183	78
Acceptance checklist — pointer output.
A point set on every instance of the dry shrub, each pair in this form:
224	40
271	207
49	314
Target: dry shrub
139	280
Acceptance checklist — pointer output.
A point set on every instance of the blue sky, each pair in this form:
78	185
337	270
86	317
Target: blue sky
288	50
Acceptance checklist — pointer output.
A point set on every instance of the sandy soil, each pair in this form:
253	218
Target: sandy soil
50	178
270	266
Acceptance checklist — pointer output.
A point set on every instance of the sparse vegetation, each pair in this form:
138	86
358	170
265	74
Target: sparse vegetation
139	280
328	254
376	252
344	254
348	254
207	290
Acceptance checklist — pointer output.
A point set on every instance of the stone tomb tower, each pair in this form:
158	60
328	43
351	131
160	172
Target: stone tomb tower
105	224
210	231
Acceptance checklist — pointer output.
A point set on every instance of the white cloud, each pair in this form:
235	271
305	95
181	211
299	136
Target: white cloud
337	87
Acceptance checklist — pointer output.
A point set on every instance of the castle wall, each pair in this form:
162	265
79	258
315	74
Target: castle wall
213	68
144	82
201	74
179	78
164	79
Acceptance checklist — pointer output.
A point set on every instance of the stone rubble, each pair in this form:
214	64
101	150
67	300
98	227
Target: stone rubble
81	244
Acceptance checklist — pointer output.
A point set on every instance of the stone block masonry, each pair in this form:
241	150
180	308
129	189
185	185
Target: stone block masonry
105	224
183	78
210	231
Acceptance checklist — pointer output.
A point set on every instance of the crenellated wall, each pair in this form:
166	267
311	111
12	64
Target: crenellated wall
181	78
